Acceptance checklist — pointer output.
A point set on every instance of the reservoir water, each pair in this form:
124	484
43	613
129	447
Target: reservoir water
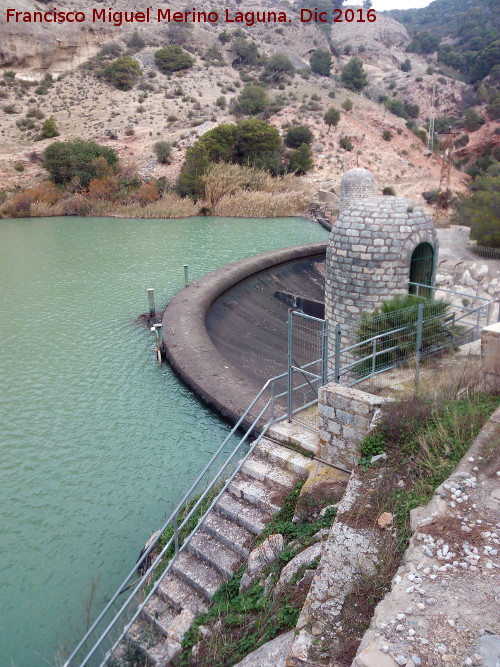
97	442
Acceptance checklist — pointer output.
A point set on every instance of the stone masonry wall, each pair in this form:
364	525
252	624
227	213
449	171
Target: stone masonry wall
368	259
345	417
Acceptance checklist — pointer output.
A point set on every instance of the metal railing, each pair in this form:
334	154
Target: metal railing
113	623
281	397
484	252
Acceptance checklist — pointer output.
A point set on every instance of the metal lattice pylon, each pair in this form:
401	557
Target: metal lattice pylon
442	201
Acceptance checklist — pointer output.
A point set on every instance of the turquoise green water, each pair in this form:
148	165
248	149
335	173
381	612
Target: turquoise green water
98	442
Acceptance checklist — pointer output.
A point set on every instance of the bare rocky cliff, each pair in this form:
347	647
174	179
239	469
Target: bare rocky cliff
28	47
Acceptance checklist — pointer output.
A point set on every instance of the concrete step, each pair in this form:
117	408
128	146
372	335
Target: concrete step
159	613
180	595
200	576
265	470
215	554
145	639
243	513
228	532
284	457
262	495
296	434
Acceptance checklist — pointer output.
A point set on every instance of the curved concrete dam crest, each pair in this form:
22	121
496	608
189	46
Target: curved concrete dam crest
206	358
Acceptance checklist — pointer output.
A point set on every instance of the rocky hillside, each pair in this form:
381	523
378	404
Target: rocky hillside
178	108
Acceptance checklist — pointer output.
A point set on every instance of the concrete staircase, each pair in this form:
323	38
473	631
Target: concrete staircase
218	547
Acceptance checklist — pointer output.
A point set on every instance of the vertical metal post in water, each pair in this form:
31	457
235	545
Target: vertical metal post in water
289	407
186	275
418	346
151	299
337	352
324	353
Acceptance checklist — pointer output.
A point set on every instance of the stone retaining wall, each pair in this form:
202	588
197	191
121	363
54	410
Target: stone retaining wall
345	417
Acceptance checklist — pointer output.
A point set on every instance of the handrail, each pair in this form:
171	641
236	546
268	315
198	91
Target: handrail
172	519
186	541
269	404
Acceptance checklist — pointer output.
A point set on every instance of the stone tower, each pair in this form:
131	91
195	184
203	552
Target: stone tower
376	247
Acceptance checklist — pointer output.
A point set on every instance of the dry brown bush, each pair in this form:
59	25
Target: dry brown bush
147	193
103	188
77	204
40	209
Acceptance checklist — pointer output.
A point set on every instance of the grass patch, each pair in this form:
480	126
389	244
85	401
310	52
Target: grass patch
168	533
238	623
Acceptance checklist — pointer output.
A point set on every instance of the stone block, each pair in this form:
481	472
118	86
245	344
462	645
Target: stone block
343	417
326	411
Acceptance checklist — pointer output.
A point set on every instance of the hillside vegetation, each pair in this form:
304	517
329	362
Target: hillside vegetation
172	102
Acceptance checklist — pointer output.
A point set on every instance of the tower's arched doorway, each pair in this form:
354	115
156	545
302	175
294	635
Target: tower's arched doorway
421	266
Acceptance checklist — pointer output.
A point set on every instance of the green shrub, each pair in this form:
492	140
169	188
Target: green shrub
353	75
346	144
423	42
406	65
19	166
279	67
246	53
122	73
472	120
386	135
321	62
401	313
224	37
251	101
431	196
479	211
296	136
49	128
35	113
76	161
194	167
135	42
301	160
172	59
388	190
331	117
163	151
347	105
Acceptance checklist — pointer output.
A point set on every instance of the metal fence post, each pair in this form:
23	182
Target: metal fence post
337	352
324	354
272	403
374	356
289	407
418	345
186	275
